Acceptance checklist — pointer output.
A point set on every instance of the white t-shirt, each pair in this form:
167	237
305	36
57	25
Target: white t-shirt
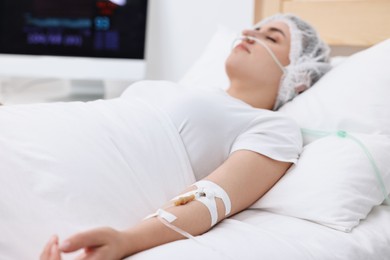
213	124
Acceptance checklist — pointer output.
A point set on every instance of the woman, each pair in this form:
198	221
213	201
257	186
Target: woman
244	146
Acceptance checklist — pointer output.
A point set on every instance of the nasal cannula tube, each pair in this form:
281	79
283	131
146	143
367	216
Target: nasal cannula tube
246	38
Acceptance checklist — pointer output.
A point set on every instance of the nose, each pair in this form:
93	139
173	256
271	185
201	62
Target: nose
247	32
252	33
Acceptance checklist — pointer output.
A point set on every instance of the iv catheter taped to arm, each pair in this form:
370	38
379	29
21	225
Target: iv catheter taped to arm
206	193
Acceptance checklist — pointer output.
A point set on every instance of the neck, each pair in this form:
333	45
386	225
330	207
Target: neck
260	98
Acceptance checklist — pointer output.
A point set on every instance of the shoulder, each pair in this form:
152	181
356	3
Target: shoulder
277	121
273	134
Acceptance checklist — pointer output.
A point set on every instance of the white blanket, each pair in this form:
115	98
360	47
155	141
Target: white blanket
67	167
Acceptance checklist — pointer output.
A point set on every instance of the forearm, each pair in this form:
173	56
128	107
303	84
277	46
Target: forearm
245	177
193	218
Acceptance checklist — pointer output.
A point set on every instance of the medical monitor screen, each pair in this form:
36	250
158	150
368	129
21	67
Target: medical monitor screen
81	28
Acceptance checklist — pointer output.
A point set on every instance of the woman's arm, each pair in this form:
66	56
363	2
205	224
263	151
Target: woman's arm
245	176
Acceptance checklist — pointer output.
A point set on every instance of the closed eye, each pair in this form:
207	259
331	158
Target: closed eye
271	39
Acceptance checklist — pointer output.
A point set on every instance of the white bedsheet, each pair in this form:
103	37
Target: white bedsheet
256	235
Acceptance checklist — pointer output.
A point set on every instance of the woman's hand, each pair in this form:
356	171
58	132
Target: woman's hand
101	243
51	251
97	244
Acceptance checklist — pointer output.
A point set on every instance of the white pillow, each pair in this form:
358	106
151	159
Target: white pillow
333	183
353	96
209	69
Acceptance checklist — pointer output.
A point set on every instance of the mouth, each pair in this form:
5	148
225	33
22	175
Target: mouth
243	47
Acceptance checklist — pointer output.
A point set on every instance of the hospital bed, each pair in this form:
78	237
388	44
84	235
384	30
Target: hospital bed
332	205
317	215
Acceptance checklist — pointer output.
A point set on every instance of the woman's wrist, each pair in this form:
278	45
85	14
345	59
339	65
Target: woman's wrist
147	234
128	243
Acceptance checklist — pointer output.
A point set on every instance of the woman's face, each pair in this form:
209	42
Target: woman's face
250	63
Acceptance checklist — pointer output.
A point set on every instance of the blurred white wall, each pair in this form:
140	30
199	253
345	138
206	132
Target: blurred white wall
179	30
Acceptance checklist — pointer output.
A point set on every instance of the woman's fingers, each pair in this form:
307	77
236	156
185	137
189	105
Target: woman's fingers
55	252
81	256
51	252
46	251
88	239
